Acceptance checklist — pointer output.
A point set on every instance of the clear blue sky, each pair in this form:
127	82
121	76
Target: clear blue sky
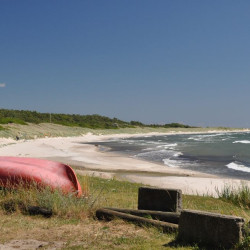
156	61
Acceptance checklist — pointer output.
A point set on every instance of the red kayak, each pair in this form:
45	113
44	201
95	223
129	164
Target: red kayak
16	170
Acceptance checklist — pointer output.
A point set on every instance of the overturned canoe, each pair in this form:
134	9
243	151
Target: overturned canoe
19	170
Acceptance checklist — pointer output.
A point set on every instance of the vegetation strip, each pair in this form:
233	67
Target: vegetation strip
86	121
108	214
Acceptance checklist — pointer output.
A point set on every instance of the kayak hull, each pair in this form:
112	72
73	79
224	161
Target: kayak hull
20	170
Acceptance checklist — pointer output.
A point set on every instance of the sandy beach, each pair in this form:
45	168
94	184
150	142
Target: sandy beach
91	160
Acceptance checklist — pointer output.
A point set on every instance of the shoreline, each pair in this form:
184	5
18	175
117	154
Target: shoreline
89	160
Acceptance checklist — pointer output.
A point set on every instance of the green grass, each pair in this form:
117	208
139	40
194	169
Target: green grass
239	196
124	194
73	221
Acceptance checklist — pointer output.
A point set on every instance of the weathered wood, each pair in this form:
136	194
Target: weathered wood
156	215
108	214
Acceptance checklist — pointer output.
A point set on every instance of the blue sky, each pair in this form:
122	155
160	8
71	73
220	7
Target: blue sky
153	61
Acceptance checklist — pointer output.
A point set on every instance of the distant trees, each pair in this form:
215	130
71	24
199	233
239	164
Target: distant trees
135	123
176	125
87	121
170	125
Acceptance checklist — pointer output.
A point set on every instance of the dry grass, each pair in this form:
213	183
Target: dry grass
42	130
80	234
73	225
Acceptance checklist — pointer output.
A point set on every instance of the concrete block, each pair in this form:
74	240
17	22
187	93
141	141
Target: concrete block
167	200
210	228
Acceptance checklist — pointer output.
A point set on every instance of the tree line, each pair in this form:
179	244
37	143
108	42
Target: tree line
95	121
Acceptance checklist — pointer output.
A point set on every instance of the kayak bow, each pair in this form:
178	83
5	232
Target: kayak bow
17	170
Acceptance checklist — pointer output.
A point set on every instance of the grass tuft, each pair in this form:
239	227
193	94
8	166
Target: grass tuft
61	205
239	196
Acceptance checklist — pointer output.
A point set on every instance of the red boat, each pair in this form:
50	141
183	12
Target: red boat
17	170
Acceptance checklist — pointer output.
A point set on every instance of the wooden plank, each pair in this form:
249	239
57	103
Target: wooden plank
108	214
156	215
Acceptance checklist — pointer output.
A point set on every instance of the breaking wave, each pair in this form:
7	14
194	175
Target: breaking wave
238	167
243	141
171	163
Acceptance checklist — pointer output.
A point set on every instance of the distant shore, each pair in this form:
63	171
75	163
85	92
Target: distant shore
89	159
43	130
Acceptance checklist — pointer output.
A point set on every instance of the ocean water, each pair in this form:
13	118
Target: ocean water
222	154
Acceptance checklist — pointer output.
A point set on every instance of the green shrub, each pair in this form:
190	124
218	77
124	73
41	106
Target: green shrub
7	120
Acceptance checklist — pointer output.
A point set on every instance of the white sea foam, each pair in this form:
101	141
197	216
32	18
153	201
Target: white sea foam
204	137
147	149
153	142
238	167
168	146
243	141
171	163
177	154
196	138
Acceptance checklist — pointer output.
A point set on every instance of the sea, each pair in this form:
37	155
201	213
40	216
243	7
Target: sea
222	154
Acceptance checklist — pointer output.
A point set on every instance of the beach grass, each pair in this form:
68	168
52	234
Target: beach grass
239	196
42	130
73	223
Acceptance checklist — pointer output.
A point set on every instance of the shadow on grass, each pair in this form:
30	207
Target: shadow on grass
181	244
